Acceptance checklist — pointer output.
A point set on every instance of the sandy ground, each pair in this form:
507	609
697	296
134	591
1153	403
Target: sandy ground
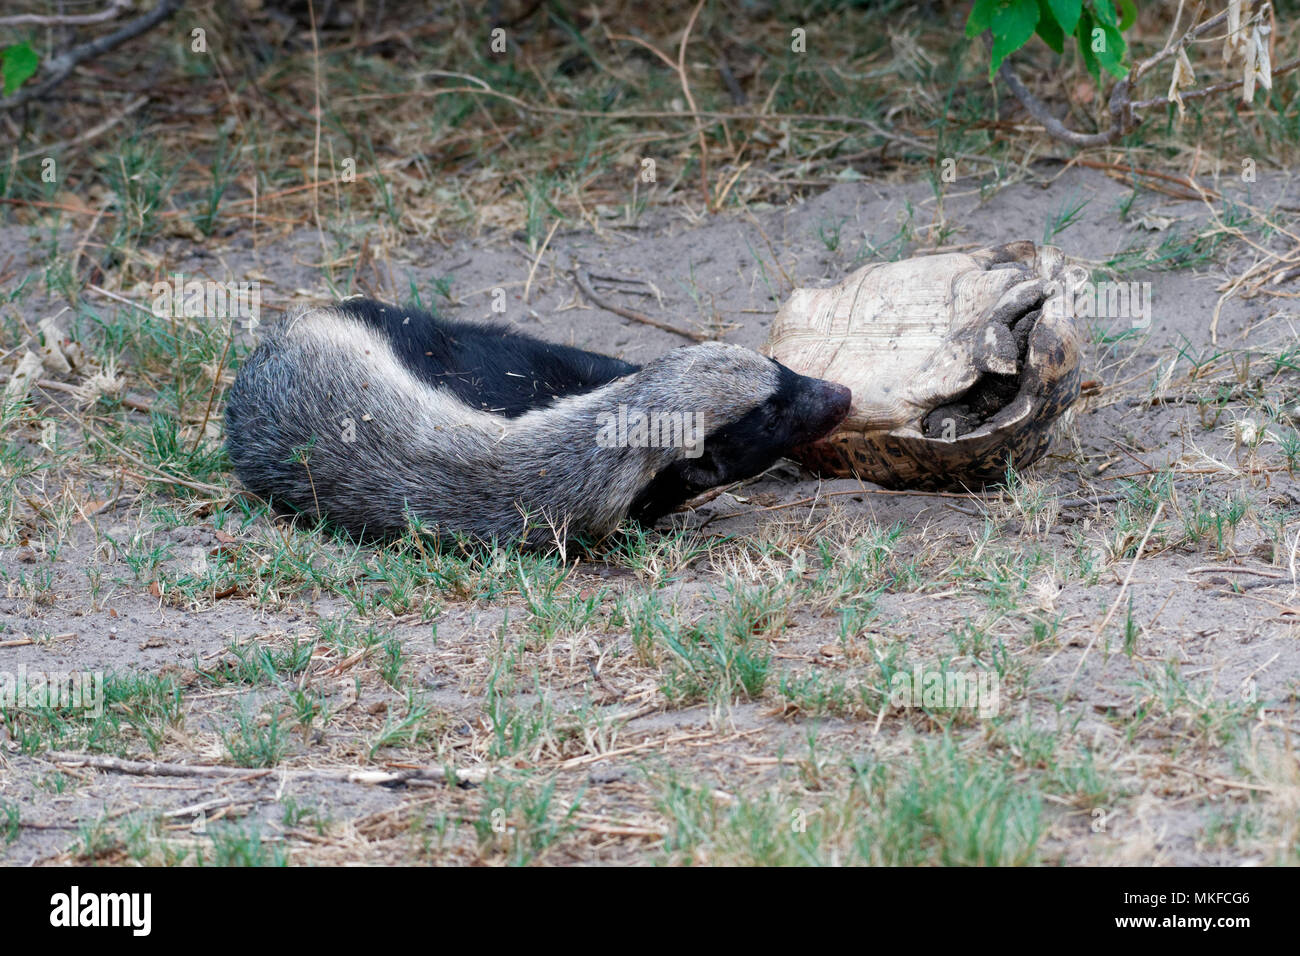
1237	645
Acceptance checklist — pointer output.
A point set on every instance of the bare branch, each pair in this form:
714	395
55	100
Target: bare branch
580	278
1286	67
1174	46
61	67
1123	111
1058	130
115	9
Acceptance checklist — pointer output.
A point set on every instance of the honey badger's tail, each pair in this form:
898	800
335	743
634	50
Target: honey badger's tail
326	418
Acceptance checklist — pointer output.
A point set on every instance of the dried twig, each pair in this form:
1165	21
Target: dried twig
114	10
156	768
1221	781
701	500
131	401
315	151
528	285
690	102
1135	171
1229	569
1226	85
61	67
580	277
1119	116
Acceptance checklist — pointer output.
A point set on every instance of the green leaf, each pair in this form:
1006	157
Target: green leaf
1013	24
19	63
1049	29
1084	35
981	15
1112	58
1104	11
1066	13
1128	13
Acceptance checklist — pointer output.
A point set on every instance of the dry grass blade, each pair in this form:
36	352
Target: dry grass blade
1119	599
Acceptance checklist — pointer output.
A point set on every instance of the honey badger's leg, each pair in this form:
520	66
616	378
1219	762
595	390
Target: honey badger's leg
488	367
755	410
800	409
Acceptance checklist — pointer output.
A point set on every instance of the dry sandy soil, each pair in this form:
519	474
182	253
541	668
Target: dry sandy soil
714	692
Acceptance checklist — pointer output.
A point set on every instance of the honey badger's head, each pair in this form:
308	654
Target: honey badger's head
755	411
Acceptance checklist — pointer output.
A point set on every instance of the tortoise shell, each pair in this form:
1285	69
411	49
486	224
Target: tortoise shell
959	363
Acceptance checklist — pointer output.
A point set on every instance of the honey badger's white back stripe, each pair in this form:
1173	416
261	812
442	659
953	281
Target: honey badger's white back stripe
388	379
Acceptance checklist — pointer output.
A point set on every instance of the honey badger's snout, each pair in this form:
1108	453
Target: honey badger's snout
812	406
821	407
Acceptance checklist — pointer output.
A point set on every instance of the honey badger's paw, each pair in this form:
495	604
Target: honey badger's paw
958	363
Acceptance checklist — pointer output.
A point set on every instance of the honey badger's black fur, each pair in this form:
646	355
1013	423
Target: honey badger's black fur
363	412
487	367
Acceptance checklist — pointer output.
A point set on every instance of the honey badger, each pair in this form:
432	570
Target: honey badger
367	414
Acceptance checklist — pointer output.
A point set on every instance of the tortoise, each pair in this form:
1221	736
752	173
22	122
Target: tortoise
959	363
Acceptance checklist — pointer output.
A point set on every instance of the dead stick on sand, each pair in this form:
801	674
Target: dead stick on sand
154	768
528	285
580	277
1229	569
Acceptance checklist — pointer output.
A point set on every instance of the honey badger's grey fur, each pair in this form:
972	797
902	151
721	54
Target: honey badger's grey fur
362	413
